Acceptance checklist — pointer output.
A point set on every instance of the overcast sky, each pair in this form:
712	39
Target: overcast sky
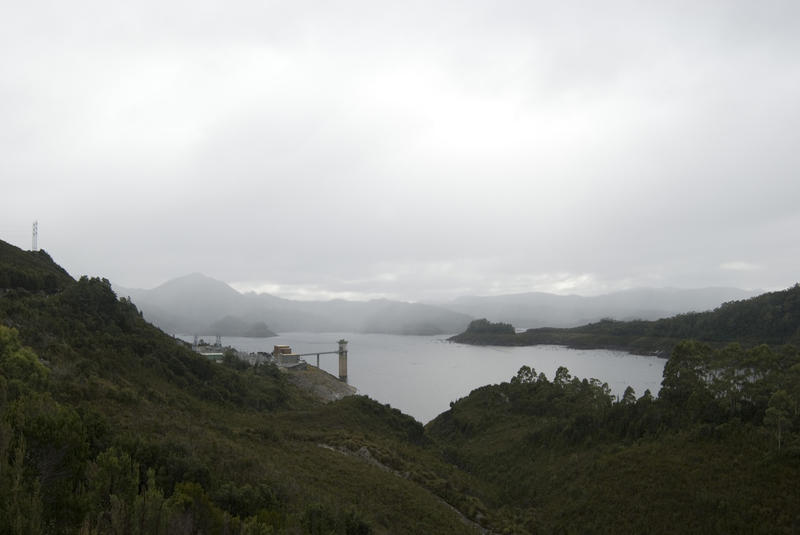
411	150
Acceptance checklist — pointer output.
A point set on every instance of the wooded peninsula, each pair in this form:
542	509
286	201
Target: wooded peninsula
772	318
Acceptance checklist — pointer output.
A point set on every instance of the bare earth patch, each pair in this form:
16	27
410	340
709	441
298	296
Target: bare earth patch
320	383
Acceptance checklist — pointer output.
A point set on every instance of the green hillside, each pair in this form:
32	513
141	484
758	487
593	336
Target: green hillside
31	270
717	452
107	425
772	318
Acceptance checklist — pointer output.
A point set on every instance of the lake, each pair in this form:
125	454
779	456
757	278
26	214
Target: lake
421	375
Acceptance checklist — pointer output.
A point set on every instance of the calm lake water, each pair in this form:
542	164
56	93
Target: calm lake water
421	375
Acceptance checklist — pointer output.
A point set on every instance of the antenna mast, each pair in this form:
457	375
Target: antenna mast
35	239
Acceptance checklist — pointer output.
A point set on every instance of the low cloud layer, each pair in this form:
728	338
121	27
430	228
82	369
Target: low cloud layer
417	151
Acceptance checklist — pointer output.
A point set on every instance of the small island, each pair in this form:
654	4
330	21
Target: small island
600	335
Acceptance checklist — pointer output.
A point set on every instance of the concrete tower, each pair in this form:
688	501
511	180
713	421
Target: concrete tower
343	360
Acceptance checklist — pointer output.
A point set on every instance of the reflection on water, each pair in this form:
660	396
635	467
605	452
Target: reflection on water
421	375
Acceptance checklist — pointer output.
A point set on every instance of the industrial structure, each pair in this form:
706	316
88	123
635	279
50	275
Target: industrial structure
282	356
211	352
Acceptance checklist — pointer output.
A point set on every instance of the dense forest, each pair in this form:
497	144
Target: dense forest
108	425
716	451
772	318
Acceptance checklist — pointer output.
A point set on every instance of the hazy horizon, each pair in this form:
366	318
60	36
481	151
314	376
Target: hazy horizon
304	297
418	151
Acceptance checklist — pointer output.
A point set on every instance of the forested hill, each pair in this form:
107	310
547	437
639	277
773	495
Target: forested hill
108	425
772	318
718	451
34	270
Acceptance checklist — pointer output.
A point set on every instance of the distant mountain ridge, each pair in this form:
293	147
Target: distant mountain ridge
196	303
770	318
539	309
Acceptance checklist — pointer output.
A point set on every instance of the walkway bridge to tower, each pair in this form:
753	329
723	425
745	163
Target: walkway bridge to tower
283	356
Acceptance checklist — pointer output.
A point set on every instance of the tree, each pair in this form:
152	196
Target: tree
525	375
684	374
19	365
629	396
485	326
232	360
777	413
562	376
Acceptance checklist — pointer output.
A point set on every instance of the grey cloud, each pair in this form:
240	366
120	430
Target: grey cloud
410	150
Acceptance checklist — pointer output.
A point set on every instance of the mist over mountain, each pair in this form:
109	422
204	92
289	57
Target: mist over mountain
233	326
196	303
199	304
538	309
